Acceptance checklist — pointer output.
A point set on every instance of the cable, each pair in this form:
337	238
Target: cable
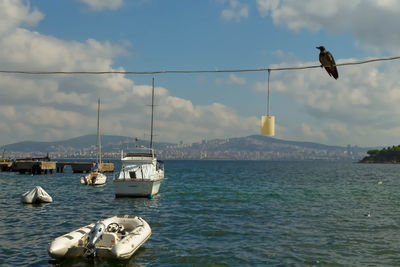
188	71
340	64
268	93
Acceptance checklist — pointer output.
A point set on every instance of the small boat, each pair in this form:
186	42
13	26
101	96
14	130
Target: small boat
141	172
96	177
117	237
35	196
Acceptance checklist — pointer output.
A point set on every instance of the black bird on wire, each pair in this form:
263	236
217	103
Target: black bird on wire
328	62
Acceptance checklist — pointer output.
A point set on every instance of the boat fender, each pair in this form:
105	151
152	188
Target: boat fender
150	196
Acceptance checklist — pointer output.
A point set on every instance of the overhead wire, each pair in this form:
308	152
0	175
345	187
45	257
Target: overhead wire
190	71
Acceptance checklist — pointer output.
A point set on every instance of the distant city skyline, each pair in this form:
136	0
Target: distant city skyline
360	108
245	148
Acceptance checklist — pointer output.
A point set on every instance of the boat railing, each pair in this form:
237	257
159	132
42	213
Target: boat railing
139	154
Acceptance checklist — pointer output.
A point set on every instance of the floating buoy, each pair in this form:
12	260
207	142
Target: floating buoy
268	125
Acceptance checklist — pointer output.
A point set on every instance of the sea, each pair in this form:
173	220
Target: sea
221	213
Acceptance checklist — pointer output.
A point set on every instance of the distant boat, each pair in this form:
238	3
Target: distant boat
141	174
96	177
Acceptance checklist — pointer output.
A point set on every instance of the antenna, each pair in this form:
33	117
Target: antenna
152	116
98	134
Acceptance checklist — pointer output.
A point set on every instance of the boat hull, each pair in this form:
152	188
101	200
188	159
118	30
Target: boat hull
136	187
94	178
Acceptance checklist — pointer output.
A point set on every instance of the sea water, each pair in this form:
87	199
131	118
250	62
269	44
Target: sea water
221	213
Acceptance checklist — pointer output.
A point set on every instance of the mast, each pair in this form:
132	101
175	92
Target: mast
98	134
152	116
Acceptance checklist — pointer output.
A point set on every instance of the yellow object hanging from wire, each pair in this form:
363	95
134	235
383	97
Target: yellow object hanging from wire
268	122
268	125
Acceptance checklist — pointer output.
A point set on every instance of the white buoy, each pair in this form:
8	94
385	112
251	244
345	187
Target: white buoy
268	125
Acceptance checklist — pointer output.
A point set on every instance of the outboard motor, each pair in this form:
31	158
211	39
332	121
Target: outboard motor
94	235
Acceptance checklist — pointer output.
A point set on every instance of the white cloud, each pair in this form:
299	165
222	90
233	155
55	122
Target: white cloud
8	111
100	5
235	11
14	13
264	6
25	49
236	79
232	79
284	56
313	133
179	117
373	23
339	128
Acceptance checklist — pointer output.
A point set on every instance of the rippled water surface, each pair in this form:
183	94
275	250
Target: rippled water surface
221	213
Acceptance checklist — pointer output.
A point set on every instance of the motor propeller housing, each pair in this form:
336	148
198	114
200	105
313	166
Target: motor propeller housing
95	234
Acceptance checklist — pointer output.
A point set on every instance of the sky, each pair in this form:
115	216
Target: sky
360	108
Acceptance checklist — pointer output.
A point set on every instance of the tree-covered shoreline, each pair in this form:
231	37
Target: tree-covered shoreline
385	155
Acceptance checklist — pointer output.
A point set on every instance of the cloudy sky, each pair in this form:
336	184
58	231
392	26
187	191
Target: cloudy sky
361	108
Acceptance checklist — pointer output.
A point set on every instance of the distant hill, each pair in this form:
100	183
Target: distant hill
257	147
259	142
254	147
109	143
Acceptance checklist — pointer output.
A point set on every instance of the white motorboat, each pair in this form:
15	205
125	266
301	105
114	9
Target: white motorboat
140	176
117	237
96	177
141	172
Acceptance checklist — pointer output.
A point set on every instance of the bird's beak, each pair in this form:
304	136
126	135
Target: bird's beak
317	47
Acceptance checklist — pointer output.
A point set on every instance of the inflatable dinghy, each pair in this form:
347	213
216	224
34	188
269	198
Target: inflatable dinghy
36	195
117	237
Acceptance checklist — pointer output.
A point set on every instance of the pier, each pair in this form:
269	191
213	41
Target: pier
34	165
6	164
84	167
47	166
